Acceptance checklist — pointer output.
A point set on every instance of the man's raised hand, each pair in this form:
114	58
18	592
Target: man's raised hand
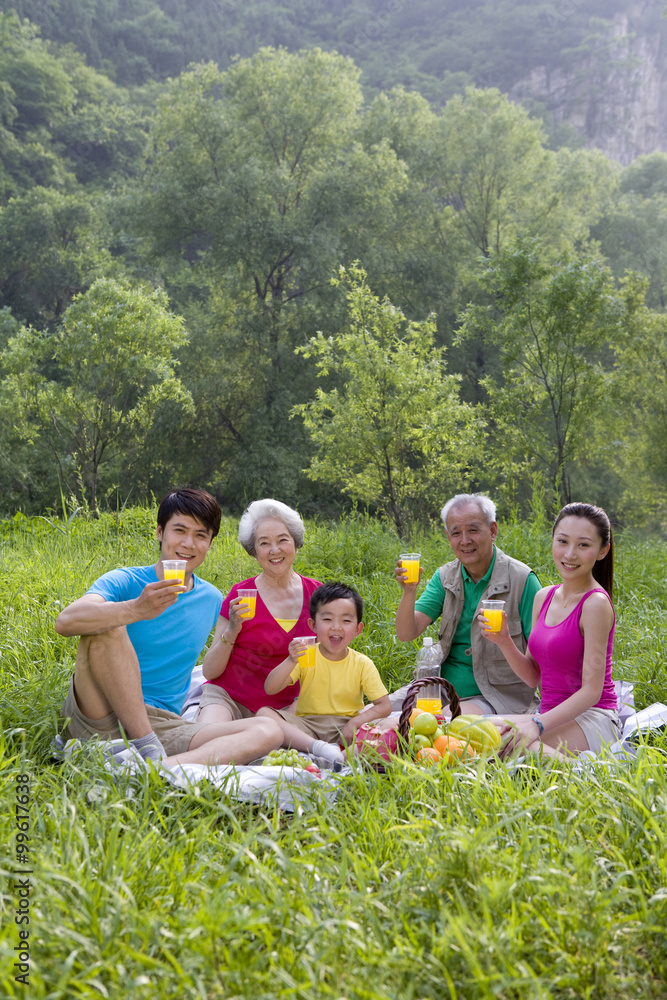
155	598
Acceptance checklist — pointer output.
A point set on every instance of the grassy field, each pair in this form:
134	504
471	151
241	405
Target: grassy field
542	882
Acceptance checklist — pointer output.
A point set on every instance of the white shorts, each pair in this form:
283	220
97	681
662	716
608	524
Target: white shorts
600	726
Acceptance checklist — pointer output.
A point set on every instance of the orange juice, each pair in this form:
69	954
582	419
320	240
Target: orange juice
252	604
175	574
429	705
495	619
411	567
307	657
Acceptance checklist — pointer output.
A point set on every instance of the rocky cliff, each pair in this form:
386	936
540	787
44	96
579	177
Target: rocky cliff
614	96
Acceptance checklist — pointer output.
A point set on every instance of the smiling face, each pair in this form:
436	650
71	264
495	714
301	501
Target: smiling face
275	549
576	547
471	537
184	537
335	626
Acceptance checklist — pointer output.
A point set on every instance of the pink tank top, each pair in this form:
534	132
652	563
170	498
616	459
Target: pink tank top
558	651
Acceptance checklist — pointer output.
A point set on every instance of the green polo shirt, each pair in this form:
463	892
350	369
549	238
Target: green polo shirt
457	667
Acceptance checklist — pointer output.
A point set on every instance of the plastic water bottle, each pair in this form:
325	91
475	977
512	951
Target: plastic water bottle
429	658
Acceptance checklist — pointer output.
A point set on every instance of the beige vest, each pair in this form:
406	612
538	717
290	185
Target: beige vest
495	678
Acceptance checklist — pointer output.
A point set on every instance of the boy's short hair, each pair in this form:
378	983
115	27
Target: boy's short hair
194	503
328	592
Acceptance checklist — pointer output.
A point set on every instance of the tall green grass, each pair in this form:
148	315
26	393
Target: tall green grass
544	882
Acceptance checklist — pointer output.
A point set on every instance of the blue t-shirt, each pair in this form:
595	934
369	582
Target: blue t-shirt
168	646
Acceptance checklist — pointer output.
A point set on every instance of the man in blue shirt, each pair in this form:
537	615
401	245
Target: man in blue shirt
141	636
481	677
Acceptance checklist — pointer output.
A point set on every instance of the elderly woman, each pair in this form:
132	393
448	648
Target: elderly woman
245	651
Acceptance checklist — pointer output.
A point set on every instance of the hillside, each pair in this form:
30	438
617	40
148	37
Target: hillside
593	69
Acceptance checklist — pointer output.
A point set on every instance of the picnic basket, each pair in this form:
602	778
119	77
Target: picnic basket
450	697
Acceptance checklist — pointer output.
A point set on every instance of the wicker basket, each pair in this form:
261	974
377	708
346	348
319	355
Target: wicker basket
411	701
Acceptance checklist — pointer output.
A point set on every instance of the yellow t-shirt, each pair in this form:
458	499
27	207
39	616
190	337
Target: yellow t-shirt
335	687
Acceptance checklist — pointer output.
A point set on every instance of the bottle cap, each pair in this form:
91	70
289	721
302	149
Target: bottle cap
428	641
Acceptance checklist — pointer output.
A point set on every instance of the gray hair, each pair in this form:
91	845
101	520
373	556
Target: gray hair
487	506
260	510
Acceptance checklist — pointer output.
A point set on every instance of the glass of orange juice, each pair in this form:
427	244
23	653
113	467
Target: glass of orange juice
250	598
410	563
307	655
174	569
493	611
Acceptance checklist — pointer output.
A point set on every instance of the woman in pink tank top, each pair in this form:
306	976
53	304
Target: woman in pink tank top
570	647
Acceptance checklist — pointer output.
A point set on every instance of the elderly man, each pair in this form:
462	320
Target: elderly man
481	676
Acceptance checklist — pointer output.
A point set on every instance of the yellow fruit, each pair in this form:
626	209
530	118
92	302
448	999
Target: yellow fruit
480	734
414	713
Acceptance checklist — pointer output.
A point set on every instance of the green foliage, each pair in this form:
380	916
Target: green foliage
59	119
551	327
640	384
258	183
52	247
269	171
392	433
92	388
633	232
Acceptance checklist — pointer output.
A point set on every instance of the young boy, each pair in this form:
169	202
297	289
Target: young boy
330	706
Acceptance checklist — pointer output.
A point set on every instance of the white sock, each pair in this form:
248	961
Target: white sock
149	747
327	750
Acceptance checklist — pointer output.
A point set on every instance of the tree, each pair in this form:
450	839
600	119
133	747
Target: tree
257	190
551	326
392	433
640	384
92	388
633	232
51	248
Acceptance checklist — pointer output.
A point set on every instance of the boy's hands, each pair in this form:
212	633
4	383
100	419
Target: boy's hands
296	648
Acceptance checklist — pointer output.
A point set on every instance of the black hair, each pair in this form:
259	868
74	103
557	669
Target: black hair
194	503
603	570
328	592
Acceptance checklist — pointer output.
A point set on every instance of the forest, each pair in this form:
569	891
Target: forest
316	252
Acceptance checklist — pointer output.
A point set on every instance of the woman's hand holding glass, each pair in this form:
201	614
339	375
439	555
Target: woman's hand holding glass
237	608
498	637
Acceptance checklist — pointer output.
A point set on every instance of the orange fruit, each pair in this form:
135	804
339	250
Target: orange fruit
448	745
414	713
428	756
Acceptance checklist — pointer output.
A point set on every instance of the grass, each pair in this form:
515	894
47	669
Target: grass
469	884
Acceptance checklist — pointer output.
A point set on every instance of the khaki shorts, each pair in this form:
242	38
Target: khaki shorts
600	726
174	733
213	694
320	727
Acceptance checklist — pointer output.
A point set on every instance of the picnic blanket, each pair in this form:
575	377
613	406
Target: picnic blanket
288	787
283	787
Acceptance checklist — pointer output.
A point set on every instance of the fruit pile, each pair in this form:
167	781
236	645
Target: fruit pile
433	741
290	758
